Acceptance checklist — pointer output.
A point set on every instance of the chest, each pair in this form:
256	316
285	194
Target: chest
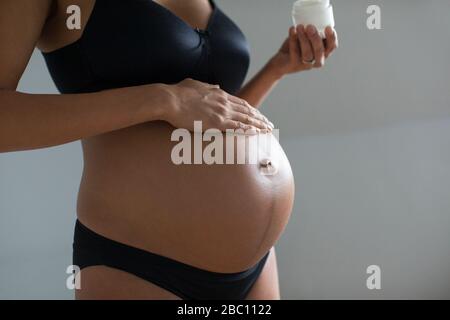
133	42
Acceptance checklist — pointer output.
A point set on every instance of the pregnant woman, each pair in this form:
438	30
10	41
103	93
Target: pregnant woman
148	228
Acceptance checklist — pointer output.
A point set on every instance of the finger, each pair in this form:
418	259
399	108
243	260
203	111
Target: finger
243	106
317	45
330	41
253	113
305	45
246	119
294	47
236	125
236	101
240	101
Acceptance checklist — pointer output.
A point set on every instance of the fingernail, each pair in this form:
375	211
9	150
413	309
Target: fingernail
252	131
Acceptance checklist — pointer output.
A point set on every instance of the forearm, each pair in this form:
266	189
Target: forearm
32	121
259	87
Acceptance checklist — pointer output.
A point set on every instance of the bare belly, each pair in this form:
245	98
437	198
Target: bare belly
219	217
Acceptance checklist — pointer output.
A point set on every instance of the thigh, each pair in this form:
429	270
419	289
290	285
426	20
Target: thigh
267	286
104	283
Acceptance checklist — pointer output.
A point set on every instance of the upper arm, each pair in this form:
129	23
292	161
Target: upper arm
21	23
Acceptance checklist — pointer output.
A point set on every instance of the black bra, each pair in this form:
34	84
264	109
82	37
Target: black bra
135	42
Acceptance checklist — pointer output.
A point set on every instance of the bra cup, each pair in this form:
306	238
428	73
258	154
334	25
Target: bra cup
128	43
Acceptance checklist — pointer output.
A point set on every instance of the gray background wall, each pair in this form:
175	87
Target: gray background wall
368	138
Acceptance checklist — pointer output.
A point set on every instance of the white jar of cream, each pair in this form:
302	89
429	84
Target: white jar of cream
318	13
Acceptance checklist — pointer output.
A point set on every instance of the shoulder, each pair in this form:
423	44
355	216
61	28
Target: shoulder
21	24
55	32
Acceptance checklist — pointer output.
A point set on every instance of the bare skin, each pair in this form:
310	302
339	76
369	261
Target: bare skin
129	182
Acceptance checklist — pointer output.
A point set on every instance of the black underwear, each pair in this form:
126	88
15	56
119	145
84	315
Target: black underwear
183	280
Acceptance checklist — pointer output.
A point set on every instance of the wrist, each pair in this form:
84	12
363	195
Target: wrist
158	102
171	101
273	69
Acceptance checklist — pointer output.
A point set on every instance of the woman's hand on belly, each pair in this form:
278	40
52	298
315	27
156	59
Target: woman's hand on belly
197	101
